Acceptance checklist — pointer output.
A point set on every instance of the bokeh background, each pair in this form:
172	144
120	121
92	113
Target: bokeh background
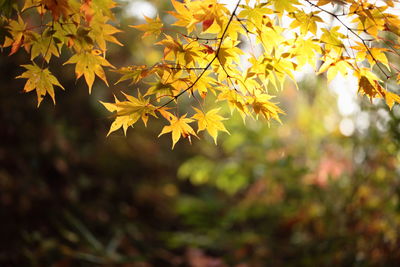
321	189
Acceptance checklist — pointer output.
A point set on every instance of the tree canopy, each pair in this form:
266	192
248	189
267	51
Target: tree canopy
212	55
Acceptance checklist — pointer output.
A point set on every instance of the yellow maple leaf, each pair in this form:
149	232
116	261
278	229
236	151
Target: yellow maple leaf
210	121
236	101
204	84
89	64
368	83
178	127
58	8
229	52
19	36
184	16
170	45
151	28
262	105
332	39
306	22
185	55
372	54
102	32
129	112
134	73
44	45
139	106
391	98
285	5
255	14
305	51
120	121
40	80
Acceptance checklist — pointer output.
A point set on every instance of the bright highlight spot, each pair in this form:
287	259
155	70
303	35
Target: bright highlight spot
362	121
346	127
347	104
139	8
346	89
229	4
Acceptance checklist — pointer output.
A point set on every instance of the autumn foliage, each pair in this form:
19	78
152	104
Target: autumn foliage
240	57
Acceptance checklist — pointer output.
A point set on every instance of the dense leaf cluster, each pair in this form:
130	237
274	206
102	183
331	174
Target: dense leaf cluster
204	57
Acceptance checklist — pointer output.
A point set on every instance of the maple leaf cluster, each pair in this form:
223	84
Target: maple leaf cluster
82	26
204	59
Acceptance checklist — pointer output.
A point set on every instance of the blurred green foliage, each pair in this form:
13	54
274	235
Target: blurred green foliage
296	194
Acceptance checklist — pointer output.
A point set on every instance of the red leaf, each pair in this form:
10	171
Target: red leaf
207	23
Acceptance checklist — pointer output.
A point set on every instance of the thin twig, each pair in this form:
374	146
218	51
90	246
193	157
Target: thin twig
196	38
48	46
